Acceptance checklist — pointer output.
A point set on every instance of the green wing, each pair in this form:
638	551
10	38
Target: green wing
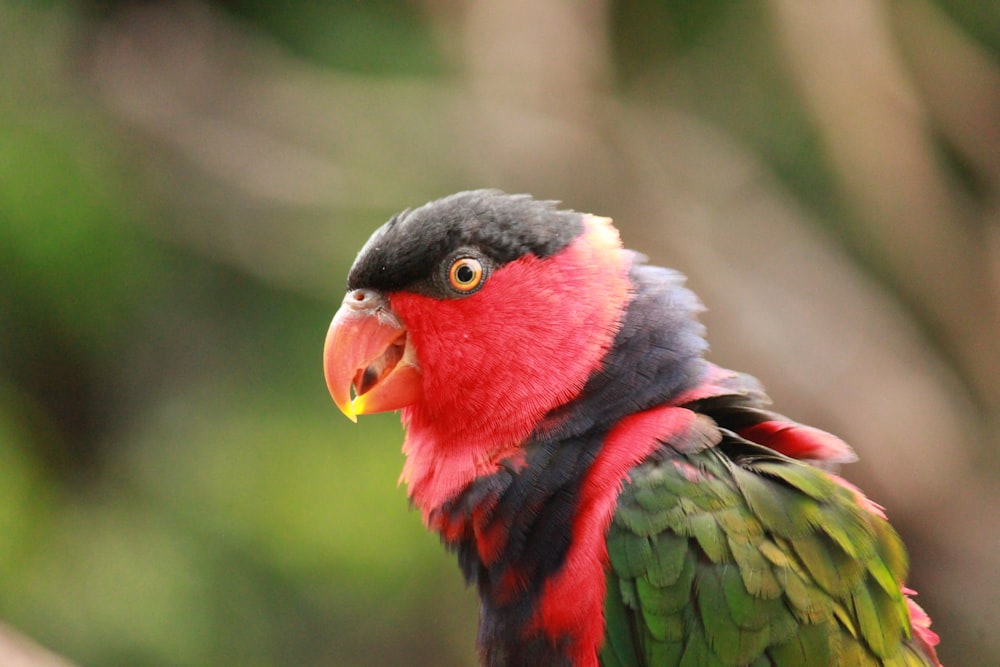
736	555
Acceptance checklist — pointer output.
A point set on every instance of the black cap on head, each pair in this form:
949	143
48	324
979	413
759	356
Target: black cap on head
408	248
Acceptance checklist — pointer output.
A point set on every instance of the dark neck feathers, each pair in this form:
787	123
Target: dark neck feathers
511	530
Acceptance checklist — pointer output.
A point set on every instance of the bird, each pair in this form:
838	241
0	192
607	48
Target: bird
615	498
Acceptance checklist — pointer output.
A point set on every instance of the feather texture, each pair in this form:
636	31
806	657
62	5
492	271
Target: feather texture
764	560
612	495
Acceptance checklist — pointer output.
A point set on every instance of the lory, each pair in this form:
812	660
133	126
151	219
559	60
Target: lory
615	498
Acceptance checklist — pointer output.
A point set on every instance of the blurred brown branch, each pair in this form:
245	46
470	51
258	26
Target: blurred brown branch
16	650
878	131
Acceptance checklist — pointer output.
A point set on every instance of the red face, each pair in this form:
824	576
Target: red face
523	340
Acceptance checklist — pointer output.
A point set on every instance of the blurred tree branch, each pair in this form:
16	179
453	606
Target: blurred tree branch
879	137
16	650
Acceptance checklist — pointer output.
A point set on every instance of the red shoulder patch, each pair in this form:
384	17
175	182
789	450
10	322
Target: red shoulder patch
572	602
799	441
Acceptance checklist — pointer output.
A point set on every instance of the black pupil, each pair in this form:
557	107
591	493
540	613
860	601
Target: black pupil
464	274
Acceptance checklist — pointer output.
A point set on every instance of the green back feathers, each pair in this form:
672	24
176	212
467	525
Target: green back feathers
735	555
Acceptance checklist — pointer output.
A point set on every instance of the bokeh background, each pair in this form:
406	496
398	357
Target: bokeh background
183	186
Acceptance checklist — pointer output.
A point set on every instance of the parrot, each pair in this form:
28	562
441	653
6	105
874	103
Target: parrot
615	498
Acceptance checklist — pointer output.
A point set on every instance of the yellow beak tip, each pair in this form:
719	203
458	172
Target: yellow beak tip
347	407
357	407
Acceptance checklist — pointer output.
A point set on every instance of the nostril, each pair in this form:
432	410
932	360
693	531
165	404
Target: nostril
362	299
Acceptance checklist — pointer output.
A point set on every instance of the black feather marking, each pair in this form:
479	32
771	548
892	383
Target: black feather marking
407	250
534	508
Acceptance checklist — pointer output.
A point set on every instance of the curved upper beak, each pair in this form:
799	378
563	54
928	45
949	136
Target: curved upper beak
367	350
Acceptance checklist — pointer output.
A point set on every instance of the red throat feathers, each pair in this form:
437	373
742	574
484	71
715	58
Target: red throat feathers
493	366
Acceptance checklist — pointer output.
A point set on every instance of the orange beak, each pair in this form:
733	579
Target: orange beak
367	350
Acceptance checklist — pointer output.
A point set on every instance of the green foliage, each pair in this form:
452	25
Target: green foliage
66	241
372	37
978	18
175	486
26	499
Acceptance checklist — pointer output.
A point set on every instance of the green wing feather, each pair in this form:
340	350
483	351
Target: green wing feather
737	556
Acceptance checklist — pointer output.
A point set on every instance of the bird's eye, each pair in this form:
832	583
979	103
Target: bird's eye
465	274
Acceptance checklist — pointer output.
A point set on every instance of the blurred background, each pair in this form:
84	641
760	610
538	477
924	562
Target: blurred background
183	186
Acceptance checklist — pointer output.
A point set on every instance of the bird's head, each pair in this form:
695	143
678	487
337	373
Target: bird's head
477	315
